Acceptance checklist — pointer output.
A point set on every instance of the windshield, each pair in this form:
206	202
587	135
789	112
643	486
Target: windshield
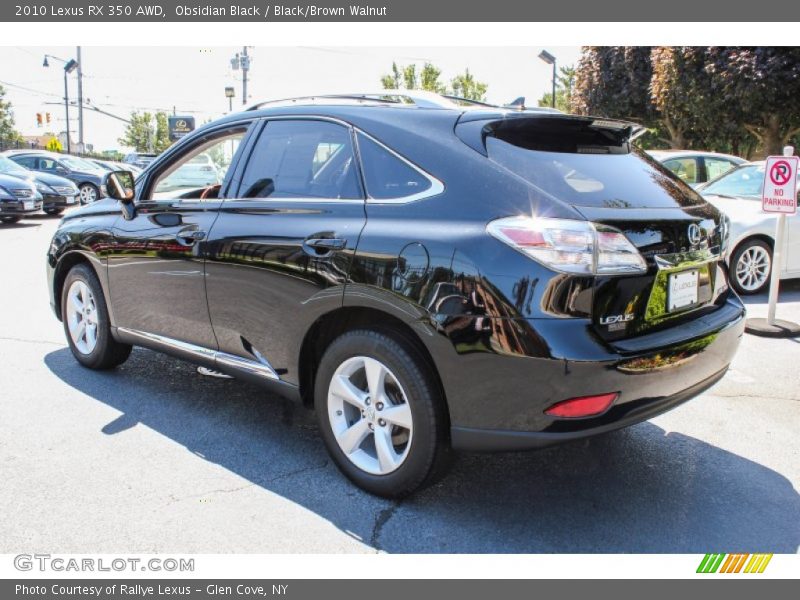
744	181
78	164
9	166
609	180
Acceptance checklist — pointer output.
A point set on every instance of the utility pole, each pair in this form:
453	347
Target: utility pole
245	69
80	98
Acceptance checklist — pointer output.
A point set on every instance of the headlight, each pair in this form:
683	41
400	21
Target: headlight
5	194
44	188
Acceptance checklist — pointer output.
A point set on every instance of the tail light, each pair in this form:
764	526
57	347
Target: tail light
570	246
585	406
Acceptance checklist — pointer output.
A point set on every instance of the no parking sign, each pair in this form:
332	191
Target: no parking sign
780	185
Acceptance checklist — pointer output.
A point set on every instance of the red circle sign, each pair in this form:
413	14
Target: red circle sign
780	172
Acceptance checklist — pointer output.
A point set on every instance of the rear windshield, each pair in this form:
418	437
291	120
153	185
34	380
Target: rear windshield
593	177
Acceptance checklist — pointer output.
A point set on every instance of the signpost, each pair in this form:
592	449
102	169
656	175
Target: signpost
779	196
179	127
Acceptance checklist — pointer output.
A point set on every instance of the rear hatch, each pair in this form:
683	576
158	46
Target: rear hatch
591	165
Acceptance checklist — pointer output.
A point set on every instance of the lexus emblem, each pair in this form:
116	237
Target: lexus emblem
694	234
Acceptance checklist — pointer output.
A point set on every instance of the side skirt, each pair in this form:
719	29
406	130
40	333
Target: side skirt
259	373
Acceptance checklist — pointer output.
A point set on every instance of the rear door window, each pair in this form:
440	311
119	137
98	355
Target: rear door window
304	160
387	175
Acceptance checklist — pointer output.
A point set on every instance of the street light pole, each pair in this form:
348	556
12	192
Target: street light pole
80	97
66	109
548	58
69	66
245	69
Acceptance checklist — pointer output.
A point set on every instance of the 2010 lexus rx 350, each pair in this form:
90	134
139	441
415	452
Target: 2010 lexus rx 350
429	276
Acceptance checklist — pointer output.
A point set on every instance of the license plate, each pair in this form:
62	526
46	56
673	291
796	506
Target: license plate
28	205
70	199
682	289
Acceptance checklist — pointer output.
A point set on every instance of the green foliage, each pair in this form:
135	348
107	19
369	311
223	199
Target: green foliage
565	84
742	100
7	131
406	77
53	145
465	86
147	132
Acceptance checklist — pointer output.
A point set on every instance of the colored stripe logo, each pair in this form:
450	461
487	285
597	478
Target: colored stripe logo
734	563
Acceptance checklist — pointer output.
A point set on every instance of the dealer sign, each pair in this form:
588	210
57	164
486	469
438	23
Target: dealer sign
780	185
179	127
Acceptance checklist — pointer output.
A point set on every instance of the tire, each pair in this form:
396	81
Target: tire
10	220
105	352
420	453
751	267
88	193
54	211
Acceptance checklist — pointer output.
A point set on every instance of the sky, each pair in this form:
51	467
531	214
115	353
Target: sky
192	80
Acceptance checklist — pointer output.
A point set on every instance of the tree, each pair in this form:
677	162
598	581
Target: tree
147	132
614	81
465	86
7	131
53	145
565	83
760	89
162	141
406	77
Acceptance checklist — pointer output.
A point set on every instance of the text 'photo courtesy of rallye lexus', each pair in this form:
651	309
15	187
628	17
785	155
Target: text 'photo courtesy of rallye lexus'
429	275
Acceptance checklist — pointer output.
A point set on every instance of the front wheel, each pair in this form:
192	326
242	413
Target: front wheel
10	220
54	211
89	193
751	265
86	322
381	413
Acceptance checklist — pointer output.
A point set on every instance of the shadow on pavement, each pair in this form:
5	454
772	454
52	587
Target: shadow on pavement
637	490
789	291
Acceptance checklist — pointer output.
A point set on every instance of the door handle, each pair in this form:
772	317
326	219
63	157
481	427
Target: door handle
190	237
322	247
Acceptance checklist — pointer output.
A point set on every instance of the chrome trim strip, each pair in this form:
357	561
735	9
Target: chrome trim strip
690	258
261	369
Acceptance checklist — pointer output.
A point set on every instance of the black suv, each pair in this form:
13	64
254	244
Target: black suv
428	276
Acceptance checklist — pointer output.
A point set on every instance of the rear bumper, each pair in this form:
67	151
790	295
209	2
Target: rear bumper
498	400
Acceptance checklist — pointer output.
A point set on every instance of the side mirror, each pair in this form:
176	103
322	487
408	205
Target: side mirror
120	186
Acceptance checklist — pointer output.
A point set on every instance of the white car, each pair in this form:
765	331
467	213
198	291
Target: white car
695	167
752	234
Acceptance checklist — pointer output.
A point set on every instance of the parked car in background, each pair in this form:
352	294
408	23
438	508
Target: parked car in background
113	165
696	168
427	275
18	197
198	172
57	192
88	177
738	195
139	160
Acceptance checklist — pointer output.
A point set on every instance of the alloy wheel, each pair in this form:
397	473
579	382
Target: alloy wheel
88	194
82	317
752	268
370	415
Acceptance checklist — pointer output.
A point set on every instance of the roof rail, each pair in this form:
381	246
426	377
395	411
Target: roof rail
419	98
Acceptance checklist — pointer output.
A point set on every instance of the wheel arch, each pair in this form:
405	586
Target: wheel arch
348	318
65	263
767	239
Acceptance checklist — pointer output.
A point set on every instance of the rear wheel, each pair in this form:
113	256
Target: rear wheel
751	265
10	219
381	414
86	322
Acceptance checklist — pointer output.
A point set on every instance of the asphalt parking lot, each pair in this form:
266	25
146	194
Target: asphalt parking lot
153	457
